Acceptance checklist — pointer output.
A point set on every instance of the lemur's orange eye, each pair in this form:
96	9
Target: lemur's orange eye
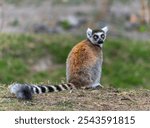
102	36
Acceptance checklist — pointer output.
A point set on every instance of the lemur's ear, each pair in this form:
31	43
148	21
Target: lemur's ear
105	29
89	33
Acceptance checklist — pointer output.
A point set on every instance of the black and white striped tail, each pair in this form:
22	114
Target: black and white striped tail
25	91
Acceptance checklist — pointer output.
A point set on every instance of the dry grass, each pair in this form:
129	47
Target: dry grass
106	99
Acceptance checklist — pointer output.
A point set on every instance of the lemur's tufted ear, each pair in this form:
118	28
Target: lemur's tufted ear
89	33
105	29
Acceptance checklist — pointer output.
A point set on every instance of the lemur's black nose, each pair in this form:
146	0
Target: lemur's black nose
100	41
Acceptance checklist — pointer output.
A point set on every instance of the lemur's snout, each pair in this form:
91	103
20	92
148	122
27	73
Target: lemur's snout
100	41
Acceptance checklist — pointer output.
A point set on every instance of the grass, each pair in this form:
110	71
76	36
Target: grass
65	24
128	66
19	53
144	28
126	63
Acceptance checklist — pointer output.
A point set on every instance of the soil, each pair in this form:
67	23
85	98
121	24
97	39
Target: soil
104	99
107	99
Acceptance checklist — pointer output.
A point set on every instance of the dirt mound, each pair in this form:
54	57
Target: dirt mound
106	99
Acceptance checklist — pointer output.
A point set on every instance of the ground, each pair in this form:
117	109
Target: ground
106	99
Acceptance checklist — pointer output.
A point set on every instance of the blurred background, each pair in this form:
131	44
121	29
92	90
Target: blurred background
37	35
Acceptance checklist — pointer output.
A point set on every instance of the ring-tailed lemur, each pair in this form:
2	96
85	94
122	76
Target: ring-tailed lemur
83	67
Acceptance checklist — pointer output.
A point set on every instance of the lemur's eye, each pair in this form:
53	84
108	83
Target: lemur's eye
95	37
102	36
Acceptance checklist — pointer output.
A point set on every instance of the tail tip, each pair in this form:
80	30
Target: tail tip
21	91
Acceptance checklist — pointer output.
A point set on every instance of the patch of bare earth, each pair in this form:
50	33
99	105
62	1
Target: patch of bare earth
106	99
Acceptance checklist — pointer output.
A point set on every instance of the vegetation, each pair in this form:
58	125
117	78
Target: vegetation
65	24
144	28
126	63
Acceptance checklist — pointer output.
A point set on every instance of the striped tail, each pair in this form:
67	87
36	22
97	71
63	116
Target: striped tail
25	91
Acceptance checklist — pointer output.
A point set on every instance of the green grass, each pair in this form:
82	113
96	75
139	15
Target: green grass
126	63
20	52
144	28
65	24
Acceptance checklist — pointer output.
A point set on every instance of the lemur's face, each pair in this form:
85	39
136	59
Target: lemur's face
97	37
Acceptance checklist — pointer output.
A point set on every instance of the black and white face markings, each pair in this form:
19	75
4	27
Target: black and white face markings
97	37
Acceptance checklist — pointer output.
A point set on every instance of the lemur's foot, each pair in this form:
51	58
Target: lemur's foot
87	88
99	86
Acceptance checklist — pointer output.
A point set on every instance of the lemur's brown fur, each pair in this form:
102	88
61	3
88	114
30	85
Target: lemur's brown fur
83	56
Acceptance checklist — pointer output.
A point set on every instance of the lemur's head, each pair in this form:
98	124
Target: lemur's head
97	37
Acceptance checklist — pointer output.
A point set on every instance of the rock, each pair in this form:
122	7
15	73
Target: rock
70	22
41	28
